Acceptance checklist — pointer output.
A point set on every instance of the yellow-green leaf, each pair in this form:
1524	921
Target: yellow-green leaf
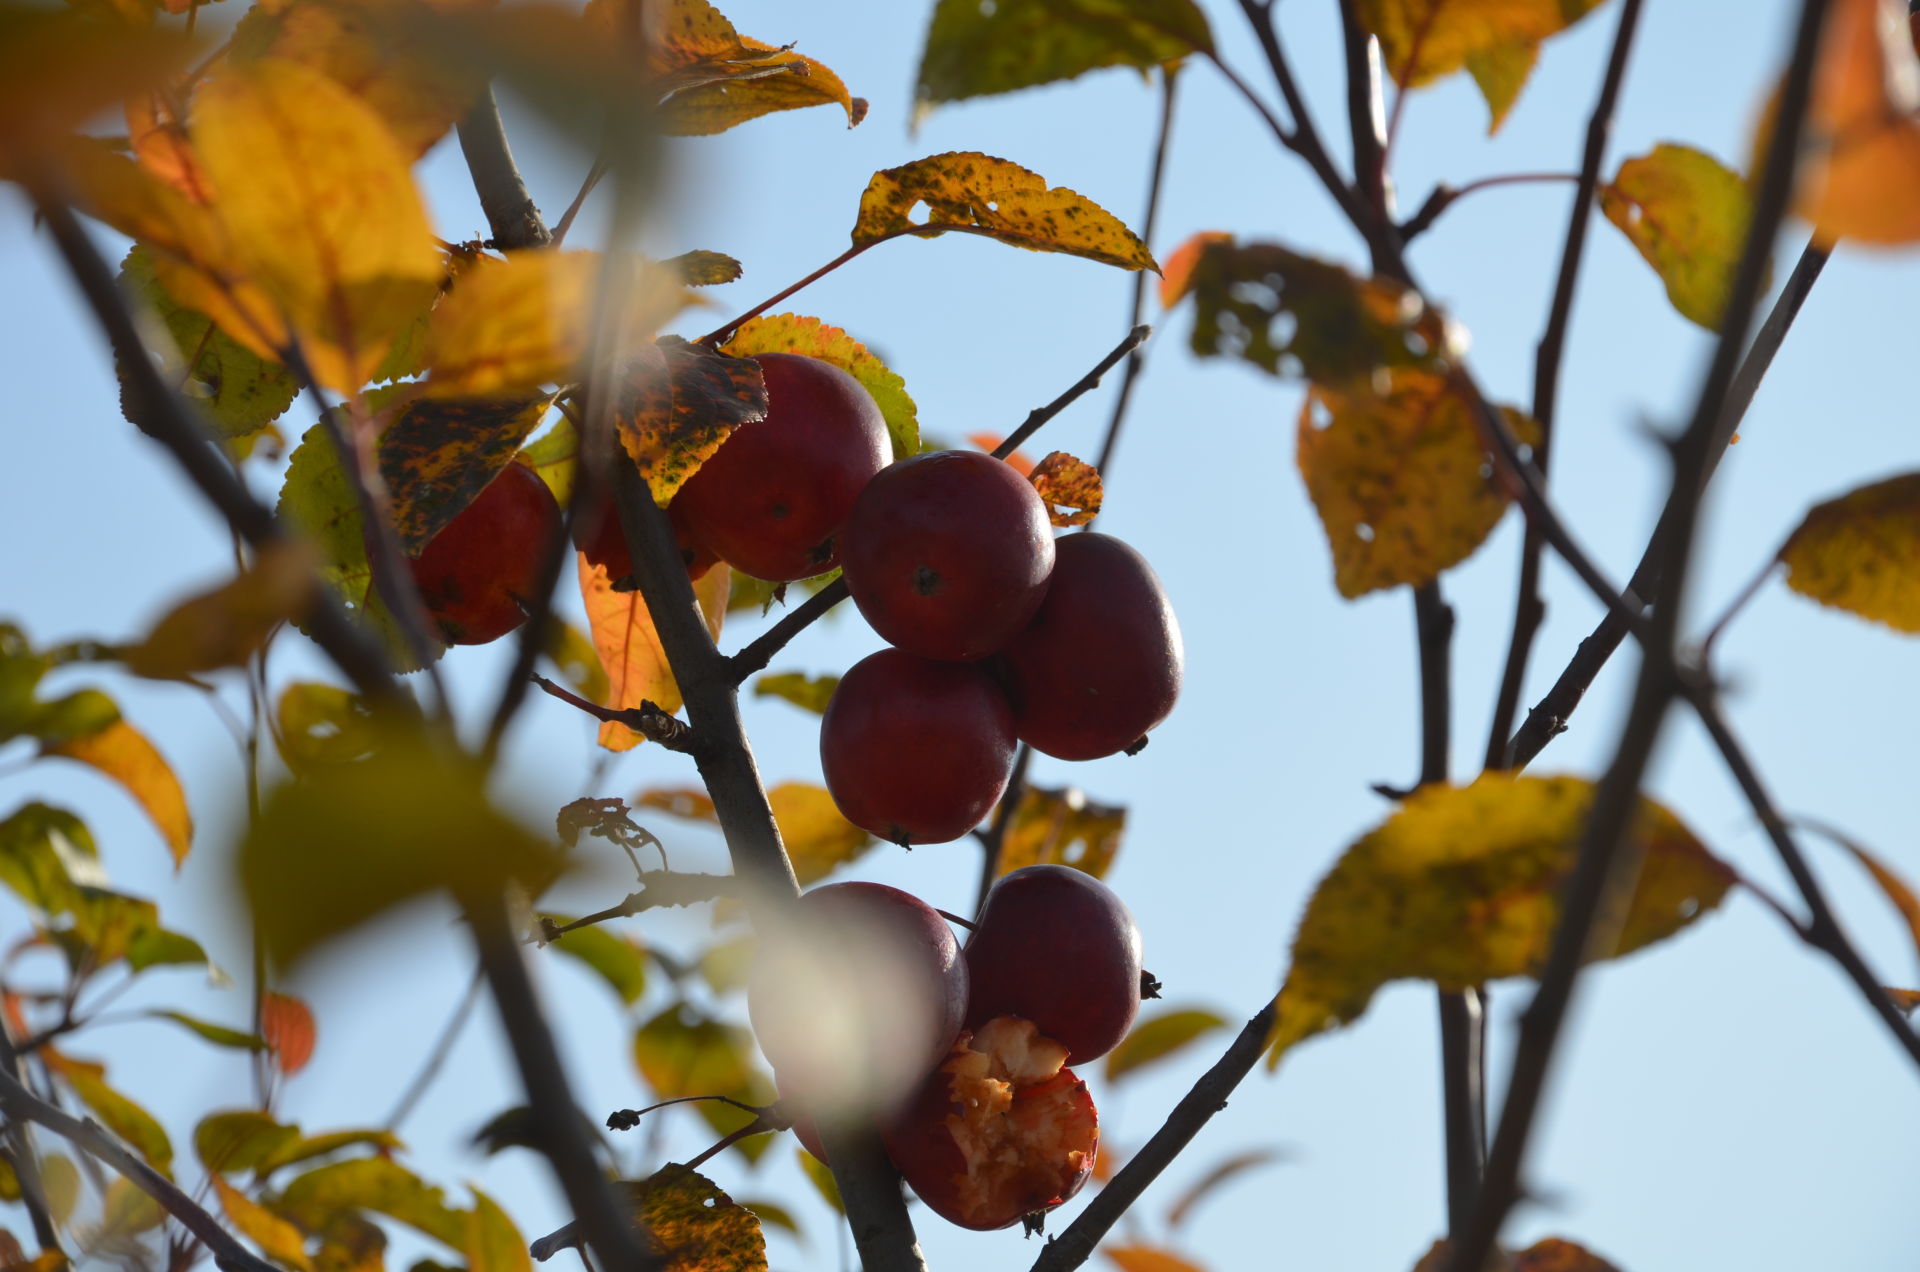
798	333
617	958
373	1183
1404	484
682	1052
116	1112
979	194
226	626
277	1239
319	205
974	49
123	753
1161	1036
1687	214
307	1148
1292	316
494	1244
1422	40
1062	827
821	1178
677	402
572	654
437	454
809	693
1861	553
629	647
1461	885
1069	487
817	837
239	1140
218	1035
703	268
321	725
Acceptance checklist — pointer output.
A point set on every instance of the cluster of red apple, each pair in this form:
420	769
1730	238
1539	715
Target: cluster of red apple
989	1125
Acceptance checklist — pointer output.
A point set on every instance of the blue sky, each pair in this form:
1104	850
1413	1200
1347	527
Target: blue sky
1724	1101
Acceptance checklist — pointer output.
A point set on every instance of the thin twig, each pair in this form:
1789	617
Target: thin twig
658	889
1209	1096
996	837
1529	608
228	1253
1083	386
1595	877
594	174
1445	196
437	1056
647	719
26	1164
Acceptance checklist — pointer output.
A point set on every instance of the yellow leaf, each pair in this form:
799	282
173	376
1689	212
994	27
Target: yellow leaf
1461	885
509	326
1146	1259
494	1244
59	65
1861	553
798	333
437	454
817	837
629	647
1062	827
1159	1037
228	625
1422	40
1500	71
1687	214
695	1226
809	693
1860	175
1069	487
123	753
280	1240
321	211
571	651
677	403
1403	484
978	194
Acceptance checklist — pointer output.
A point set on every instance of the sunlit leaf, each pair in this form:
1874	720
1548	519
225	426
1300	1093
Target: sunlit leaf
1146	1259
218	1035
629	647
696	1227
1159	1036
1422	40
1404	484
277	1238
821	1178
809	693
1461	885
817	837
157	947
1860	168
618	959
116	1112
1687	213
1062	827
226	626
512	325
382	52
1550	1255
974	49
682	1052
494	1244
437	454
123	753
320	208
1293	316
42	848
694	805
288	1026
778	1215
1861	553
321	725
60	1178
703	268
306	1148
61	65
979	194
1069	487
345	844
798	333
239	1140
553	456
239	391
1214	1180
677	402
724	966
379	1185
1907	1000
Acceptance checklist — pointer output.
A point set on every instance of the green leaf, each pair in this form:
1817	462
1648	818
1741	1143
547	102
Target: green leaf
240	392
809	693
552	456
42	848
724	965
974	49
321	724
1160	1037
307	1148
821	1178
1687	213
241	1139
1461	885
1861	553
683	1052
78	715
373	1183
704	269
218	1035
493	1243
812	338
60	1180
619	960
157	947
20	672
116	1112
439	453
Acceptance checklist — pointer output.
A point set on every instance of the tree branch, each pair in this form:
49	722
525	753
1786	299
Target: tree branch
647	719
1209	1096
658	888
504	198
1529	609
26	1166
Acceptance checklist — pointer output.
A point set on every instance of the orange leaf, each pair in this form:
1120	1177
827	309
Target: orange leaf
123	753
158	135
1861	179
629	647
1177	273
287	1025
60	64
1905	999
1069	487
1147	1259
1019	461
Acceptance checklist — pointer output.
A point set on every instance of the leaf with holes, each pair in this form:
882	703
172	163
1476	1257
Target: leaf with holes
677	402
320	725
1496	40
1062	827
1291	315
1160	1036
975	49
695	1227
1069	487
437	454
1687	214
629	647
1861	553
1404	484
798	333
979	194
1461	885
